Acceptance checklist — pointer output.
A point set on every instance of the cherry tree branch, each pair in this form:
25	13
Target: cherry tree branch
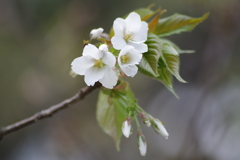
48	112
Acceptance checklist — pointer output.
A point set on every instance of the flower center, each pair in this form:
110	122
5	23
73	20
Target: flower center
125	58
128	36
98	63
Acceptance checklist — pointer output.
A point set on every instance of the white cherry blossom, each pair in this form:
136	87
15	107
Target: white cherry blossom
127	60
97	65
96	33
130	31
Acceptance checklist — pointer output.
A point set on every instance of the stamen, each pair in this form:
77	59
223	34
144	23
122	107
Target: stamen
125	58
98	63
128	36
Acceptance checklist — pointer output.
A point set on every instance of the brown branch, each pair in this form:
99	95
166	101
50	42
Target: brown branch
47	112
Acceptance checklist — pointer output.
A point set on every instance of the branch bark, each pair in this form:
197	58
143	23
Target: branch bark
48	112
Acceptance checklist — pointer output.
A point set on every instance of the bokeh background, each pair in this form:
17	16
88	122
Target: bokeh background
40	38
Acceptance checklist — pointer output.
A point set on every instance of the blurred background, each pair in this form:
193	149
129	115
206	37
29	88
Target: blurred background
40	38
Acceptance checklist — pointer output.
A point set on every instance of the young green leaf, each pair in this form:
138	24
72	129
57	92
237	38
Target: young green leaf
177	23
171	59
154	22
149	62
146	13
111	110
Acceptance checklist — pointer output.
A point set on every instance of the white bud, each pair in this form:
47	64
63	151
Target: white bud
142	145
147	122
127	128
96	33
103	48
159	128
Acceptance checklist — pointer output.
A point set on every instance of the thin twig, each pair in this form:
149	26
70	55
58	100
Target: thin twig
47	112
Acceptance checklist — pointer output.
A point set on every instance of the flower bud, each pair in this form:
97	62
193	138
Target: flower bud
147	122
126	128
142	144
103	48
146	119
96	33
159	128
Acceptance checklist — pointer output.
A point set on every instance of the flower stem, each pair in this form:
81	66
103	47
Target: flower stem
137	122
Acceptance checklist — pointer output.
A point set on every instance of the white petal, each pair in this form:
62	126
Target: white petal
109	80
109	59
141	47
133	22
162	129
126	129
125	50
92	51
118	27
129	70
93	74
81	64
142	146
135	56
141	35
118	42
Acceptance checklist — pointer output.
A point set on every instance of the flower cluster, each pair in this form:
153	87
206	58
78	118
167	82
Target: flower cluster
117	55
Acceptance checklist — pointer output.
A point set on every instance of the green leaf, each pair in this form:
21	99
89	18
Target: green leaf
180	51
177	23
154	65
111	110
164	74
171	59
149	62
165	77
